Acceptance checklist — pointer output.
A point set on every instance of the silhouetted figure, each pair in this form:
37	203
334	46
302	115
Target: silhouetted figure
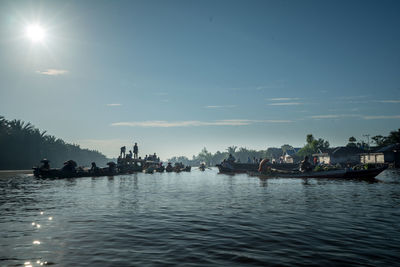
69	166
231	158
135	151
169	167
123	150
112	167
263	167
45	165
94	168
130	154
305	165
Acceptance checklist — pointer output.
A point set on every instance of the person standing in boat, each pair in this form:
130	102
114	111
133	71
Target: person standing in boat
135	151
123	150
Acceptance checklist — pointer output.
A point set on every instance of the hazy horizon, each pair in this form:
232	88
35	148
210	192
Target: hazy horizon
177	76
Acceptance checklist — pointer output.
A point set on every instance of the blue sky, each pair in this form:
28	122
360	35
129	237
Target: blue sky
177	76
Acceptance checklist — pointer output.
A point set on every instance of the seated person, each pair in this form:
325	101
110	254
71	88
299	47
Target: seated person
305	165
69	166
231	158
45	165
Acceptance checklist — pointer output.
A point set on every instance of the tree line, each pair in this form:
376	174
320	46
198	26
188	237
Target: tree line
23	146
313	145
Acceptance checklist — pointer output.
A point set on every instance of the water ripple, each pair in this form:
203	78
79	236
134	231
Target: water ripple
199	218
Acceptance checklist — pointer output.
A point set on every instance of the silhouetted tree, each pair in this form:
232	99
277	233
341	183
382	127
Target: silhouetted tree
313	146
352	142
23	146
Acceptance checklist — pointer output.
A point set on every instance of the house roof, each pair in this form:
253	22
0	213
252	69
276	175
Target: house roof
340	151
345	151
389	148
293	151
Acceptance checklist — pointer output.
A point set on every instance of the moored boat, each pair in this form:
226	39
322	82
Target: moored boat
237	167
369	173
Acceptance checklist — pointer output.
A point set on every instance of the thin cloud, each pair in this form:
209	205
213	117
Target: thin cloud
220	106
325	116
160	93
285	104
389	101
283	99
279	84
168	124
334	116
382	117
53	72
114	105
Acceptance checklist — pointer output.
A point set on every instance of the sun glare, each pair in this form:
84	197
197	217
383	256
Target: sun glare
35	33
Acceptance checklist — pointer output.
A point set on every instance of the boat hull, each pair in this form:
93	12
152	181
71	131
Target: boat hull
342	174
58	173
235	167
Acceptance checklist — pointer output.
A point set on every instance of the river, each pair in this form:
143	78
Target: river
199	219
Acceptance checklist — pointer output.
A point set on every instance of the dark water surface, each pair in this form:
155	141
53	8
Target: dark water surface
199	218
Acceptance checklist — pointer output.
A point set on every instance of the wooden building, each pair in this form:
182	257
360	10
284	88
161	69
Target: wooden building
340	155
389	154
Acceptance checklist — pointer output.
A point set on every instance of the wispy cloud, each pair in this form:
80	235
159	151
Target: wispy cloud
285	104
283	99
279	84
383	117
167	124
114	105
334	116
52	72
389	101
220	106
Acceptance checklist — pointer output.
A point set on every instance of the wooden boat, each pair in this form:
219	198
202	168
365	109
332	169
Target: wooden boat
342	173
169	168
181	168
202	167
236	167
59	173
129	165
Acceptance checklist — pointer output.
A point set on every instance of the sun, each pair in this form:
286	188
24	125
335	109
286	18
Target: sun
35	33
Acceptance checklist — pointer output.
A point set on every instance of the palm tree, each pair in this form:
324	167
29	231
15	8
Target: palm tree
231	149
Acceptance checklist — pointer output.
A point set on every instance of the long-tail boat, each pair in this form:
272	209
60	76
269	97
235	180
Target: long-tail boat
347	173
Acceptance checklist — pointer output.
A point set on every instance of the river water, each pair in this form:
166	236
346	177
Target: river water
199	218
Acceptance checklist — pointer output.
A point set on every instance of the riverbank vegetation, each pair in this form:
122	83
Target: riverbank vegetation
23	146
313	145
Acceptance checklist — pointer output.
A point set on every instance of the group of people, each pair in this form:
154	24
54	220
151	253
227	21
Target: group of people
135	153
152	157
305	165
69	165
